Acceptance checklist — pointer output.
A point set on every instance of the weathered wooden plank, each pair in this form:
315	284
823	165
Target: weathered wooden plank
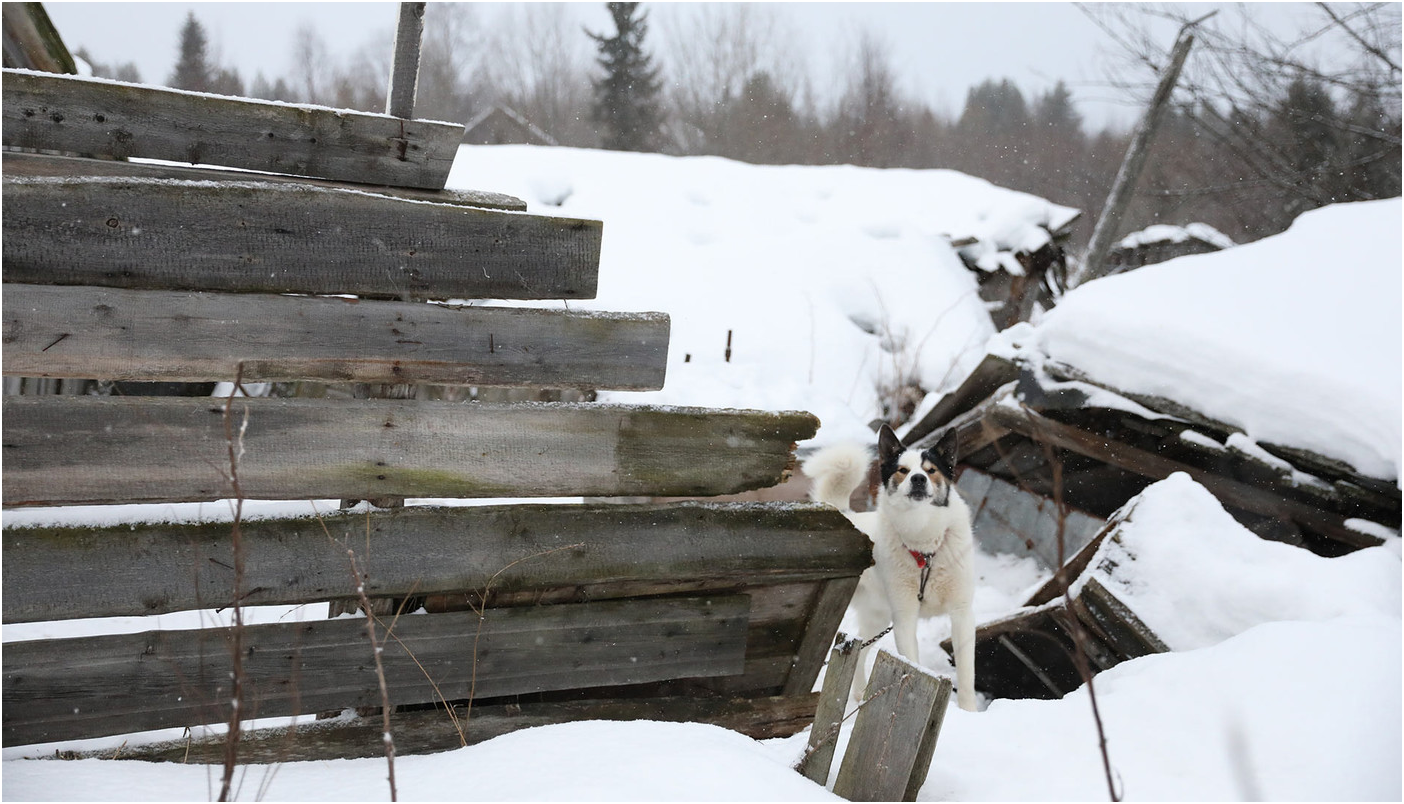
269	237
927	749
1262	501
156	335
96	116
523	555
889	731
425	732
32	42
823	622
1008	519
828	714
992	372
404	61
34	165
88	687
294	449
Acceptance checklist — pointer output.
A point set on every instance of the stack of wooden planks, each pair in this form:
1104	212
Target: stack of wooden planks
343	261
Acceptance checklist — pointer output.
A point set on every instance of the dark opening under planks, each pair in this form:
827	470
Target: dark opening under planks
72	450
279	237
92	116
593	551
166	336
94	686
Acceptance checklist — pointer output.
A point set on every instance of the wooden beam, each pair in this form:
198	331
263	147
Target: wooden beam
992	373
424	732
525	555
155	449
286	238
32	42
823	620
1043	429
89	687
97	116
178	336
818	757
72	167
404	61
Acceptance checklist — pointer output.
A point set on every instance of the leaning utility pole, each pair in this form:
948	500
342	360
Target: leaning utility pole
1120	196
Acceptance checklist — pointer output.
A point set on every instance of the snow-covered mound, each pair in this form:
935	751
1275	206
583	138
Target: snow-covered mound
1294	338
1195	576
829	282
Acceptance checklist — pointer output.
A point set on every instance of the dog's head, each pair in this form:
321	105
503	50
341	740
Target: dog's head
918	476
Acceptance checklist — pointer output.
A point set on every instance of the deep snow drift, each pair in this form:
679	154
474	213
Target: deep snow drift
833	281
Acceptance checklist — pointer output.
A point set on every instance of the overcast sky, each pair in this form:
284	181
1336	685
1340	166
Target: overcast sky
938	49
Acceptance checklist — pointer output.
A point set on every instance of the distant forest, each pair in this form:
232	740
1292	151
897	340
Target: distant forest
1259	132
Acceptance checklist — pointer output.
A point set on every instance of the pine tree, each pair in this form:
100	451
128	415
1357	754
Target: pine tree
626	97
192	69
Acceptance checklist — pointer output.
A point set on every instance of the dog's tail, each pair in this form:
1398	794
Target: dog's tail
837	470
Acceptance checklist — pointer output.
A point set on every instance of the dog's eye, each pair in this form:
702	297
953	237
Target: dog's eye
903	471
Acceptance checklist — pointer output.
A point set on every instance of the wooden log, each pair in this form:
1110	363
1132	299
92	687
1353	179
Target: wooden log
522	555
89	687
425	732
21	164
1044	429
890	732
155	335
155	449
97	116
828	714
286	238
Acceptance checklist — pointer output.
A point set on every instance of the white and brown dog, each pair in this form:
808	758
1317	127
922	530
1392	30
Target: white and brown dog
922	545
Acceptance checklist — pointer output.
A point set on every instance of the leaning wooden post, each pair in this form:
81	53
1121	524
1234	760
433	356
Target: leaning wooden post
1120	196
828	715
895	733
404	64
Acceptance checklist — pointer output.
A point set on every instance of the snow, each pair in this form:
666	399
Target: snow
829	281
1295	338
1164	233
1285	680
1285	685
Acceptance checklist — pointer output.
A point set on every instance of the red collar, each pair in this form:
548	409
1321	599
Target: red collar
921	558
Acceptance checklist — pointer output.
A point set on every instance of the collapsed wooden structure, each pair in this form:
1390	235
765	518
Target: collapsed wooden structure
535	613
1054	454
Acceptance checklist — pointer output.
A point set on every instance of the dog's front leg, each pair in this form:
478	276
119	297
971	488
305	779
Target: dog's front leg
904	622
963	641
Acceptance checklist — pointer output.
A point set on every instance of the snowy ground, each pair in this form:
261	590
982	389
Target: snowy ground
1285	682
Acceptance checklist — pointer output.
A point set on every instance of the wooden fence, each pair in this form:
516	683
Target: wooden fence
537	613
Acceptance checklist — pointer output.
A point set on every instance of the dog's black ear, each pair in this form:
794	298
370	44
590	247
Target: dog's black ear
944	453
889	445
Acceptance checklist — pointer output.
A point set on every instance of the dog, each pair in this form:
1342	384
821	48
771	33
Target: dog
923	562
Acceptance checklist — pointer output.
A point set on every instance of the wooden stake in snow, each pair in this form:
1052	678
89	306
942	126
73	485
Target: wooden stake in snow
1135	159
404	69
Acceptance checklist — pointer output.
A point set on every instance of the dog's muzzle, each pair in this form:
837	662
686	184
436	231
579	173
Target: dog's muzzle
921	489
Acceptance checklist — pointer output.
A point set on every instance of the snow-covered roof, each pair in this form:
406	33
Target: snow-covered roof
1293	338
